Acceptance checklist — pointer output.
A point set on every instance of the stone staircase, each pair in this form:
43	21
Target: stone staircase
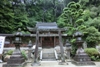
48	54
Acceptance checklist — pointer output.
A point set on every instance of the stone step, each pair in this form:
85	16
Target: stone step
48	59
48	50
48	54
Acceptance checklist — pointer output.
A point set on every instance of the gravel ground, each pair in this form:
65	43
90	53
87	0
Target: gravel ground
56	64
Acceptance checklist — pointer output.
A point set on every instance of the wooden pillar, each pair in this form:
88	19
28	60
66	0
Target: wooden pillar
41	41
54	41
37	44
61	47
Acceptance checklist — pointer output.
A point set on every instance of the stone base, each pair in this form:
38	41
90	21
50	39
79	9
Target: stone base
63	63
14	65
69	60
36	64
83	63
82	59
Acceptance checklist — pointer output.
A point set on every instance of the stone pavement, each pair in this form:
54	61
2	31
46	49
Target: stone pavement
55	64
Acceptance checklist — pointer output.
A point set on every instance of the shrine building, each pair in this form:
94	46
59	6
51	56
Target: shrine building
48	34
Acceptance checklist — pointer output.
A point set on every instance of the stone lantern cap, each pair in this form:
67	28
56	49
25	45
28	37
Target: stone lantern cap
78	34
67	44
18	33
30	44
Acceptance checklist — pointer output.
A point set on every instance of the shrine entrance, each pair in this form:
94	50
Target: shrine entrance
47	42
48	35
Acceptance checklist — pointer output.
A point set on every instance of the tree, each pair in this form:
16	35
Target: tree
96	23
71	17
12	16
71	13
6	17
93	36
20	15
75	16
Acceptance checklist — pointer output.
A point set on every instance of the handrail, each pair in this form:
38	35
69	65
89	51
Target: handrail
56	55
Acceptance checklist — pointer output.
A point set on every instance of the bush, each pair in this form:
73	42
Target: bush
9	52
93	54
24	54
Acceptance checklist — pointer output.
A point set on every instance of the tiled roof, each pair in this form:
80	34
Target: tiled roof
42	25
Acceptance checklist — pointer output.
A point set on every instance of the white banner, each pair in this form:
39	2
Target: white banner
2	40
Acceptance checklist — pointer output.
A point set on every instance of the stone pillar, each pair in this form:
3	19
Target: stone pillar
61	48
35	60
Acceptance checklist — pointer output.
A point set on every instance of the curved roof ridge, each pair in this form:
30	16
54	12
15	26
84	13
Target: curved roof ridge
49	25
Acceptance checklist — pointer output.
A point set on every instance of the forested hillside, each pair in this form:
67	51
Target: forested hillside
22	13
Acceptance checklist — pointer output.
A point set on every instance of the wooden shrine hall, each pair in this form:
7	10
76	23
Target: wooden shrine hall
48	34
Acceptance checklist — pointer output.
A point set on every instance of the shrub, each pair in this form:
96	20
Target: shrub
93	54
91	51
24	54
9	52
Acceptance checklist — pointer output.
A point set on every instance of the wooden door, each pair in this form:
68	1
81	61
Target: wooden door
48	42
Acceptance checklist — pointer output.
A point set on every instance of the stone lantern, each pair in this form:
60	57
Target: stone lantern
81	58
30	44
18	40
16	58
29	50
68	49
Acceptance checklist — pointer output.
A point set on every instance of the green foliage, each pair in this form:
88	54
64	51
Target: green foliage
71	30
93	36
79	21
71	15
74	47
94	11
6	17
86	14
44	10
12	16
93	53
16	13
96	23
84	18
61	23
82	28
73	41
88	22
9	52
24	54
83	1
91	30
20	16
99	9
